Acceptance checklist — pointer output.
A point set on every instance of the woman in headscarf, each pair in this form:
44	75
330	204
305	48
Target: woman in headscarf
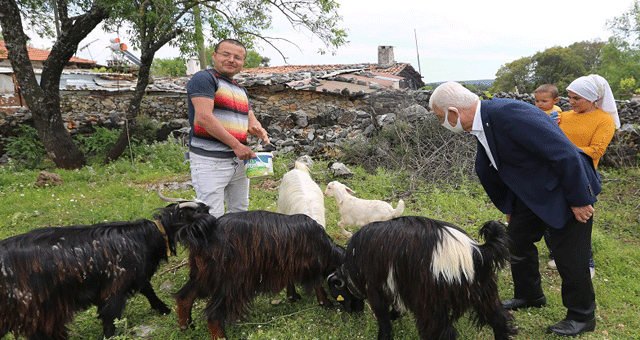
591	124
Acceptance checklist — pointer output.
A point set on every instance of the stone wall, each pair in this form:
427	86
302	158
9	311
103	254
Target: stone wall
305	121
628	110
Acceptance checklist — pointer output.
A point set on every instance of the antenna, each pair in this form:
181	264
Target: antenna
85	46
418	53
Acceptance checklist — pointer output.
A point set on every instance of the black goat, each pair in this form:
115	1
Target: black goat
240	255
431	268
49	274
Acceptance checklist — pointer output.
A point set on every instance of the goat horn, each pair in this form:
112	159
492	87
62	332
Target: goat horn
188	204
333	278
169	199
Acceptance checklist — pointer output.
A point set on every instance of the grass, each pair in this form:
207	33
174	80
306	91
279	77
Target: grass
124	191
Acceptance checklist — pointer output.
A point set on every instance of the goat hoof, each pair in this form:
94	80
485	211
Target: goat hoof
294	298
326	304
395	315
187	327
164	310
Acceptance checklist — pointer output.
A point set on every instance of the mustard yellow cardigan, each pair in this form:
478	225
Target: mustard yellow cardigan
591	132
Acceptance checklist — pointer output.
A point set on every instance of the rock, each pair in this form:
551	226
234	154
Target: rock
387	119
46	179
413	113
339	169
306	160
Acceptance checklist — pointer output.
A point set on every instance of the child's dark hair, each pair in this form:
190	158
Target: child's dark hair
547	88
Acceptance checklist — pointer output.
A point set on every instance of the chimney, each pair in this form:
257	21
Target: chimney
193	66
385	56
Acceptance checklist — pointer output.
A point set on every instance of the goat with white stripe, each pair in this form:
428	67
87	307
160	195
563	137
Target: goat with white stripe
428	267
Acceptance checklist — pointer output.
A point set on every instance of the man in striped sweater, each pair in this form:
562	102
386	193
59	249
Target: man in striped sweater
220	118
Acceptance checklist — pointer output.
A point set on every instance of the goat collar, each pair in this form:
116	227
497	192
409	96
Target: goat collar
164	233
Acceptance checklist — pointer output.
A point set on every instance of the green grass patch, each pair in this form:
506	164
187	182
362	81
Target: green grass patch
124	190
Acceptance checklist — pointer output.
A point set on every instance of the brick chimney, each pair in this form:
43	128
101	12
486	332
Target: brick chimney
385	56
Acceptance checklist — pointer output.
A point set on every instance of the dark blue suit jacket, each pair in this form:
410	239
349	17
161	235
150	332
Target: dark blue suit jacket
536	162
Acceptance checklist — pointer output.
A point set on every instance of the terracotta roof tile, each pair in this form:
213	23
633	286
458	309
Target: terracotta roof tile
395	69
37	54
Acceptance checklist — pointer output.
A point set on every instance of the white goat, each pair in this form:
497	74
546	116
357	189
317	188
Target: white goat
358	212
299	194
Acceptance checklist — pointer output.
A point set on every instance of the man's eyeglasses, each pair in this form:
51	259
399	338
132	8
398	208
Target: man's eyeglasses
228	55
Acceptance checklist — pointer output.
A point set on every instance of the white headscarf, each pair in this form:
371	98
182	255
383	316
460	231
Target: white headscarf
595	88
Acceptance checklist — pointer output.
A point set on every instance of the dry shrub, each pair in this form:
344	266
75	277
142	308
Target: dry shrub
623	151
422	148
430	153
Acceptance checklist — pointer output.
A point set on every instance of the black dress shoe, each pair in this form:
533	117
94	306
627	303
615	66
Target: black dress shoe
568	327
514	304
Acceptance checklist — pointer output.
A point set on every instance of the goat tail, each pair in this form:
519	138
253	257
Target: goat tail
199	233
399	208
495	250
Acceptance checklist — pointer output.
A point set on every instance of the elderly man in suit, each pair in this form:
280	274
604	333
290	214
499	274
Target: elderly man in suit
539	179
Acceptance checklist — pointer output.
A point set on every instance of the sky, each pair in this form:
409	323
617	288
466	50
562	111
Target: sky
453	40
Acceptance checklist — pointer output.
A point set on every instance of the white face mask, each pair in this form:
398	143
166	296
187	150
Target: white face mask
455	129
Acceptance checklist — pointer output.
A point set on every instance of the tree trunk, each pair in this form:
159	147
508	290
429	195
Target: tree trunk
148	51
133	110
54	135
199	37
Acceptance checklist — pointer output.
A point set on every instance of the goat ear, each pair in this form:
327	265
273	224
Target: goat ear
349	190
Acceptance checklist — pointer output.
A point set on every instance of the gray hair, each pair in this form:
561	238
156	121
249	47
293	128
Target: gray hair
452	94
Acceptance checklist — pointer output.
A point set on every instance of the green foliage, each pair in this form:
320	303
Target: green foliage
145	130
590	52
513	76
168	155
255	60
172	67
26	147
143	138
628	85
620	60
471	87
556	65
97	143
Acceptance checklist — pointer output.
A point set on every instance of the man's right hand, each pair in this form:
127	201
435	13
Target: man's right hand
243	152
583	214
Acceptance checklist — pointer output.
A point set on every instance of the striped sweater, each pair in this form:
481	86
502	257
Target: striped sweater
231	109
